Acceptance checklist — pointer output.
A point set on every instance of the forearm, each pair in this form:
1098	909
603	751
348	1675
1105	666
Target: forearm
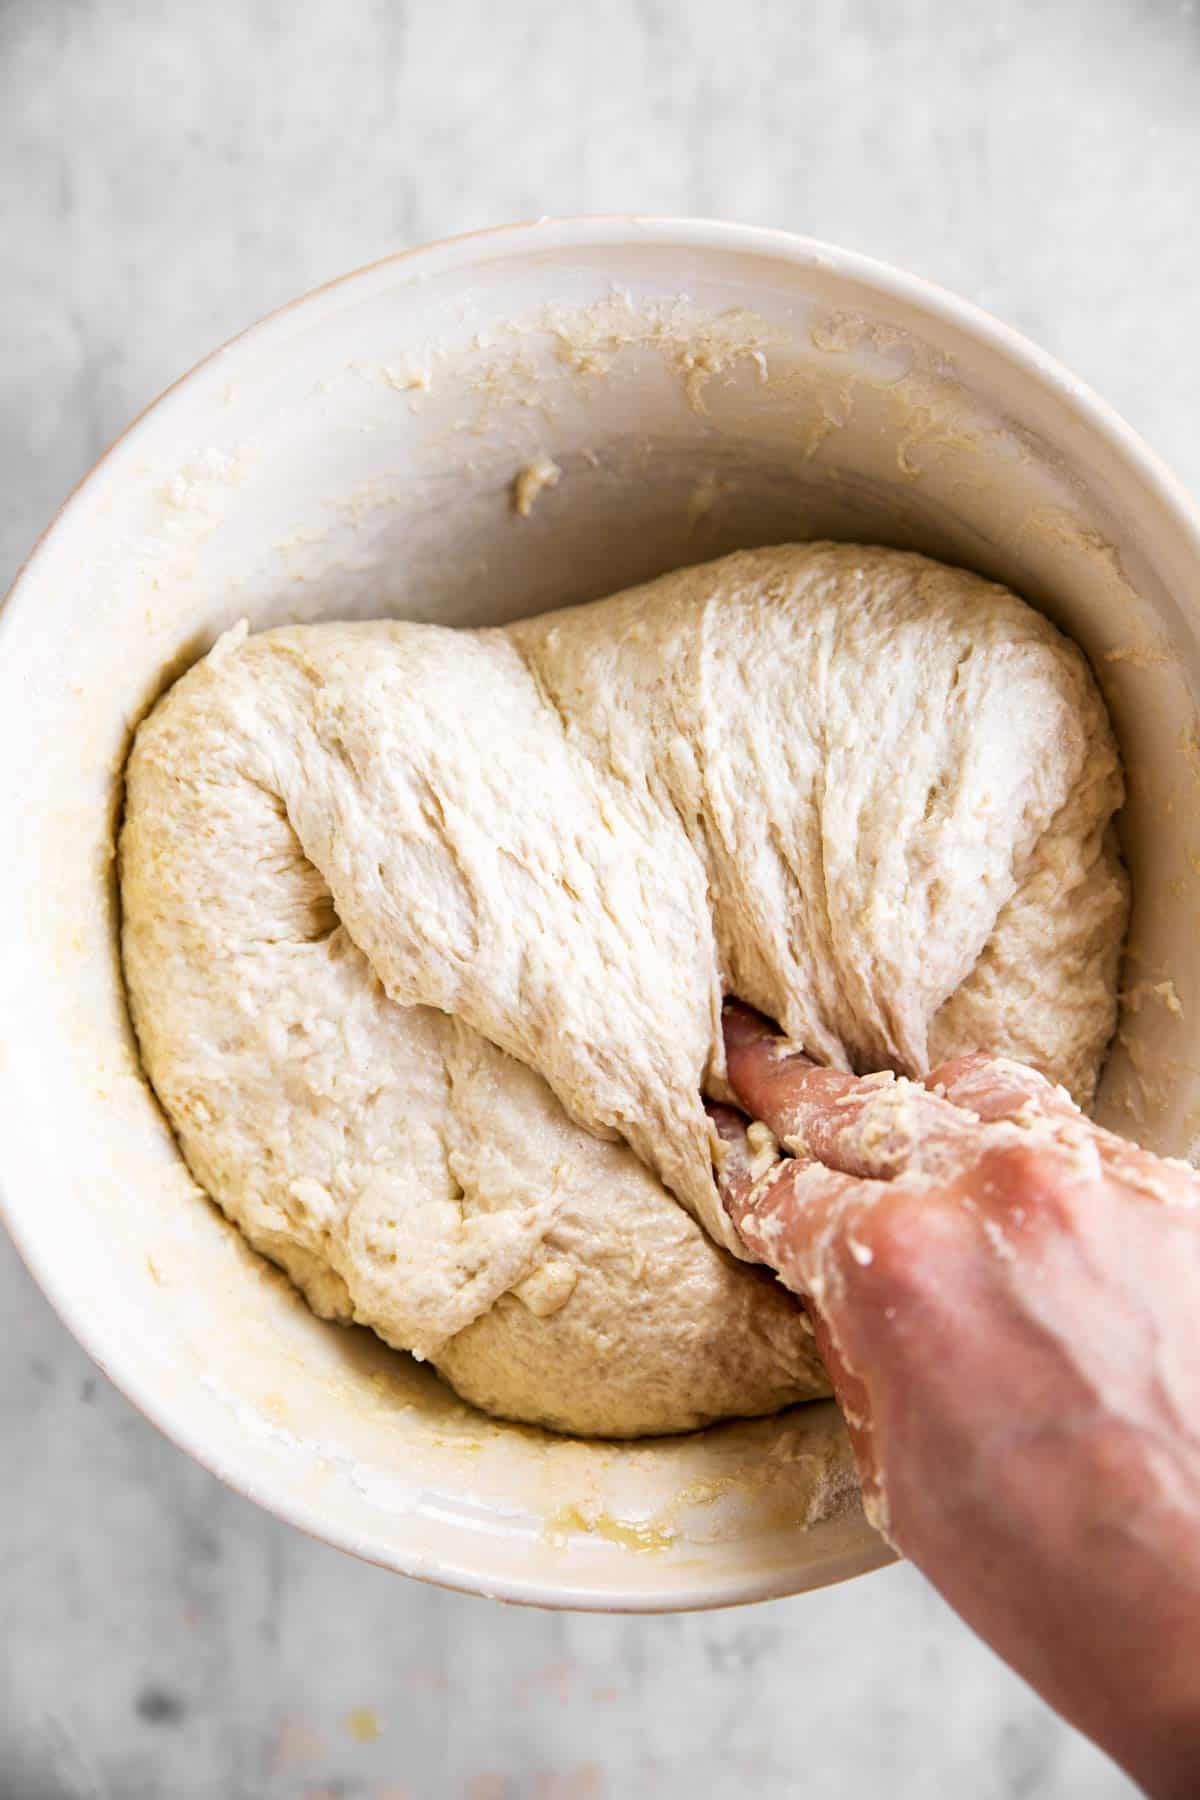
1005	1298
1059	1520
1072	1547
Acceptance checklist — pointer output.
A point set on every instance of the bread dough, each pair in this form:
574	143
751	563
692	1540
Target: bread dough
426	933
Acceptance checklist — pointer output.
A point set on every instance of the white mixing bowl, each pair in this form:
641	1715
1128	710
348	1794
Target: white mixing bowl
700	387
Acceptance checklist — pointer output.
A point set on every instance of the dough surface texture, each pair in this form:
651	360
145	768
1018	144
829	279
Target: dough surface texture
426	932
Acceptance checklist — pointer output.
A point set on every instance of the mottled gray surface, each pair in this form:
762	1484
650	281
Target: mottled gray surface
168	172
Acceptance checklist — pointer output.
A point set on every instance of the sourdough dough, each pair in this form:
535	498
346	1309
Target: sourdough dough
426	933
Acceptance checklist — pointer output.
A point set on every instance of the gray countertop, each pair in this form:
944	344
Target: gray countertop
169	172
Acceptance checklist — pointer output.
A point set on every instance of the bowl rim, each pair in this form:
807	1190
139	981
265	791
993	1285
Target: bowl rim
577	232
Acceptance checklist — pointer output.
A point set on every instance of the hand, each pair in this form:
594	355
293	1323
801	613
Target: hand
1007	1299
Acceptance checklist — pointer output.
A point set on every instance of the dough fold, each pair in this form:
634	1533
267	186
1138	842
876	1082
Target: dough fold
426	931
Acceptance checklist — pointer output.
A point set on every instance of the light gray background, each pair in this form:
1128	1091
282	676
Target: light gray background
168	172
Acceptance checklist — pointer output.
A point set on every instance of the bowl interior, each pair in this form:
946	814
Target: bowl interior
699	389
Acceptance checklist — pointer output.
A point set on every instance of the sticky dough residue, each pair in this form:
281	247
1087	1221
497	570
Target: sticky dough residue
531	481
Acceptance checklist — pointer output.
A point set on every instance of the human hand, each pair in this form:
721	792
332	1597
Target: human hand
1008	1302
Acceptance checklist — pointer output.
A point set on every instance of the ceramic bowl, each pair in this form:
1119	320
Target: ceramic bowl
697	387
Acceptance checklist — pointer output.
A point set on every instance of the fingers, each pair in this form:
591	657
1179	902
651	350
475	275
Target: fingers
743	1026
999	1090
994	1131
876	1127
996	1087
797	1218
789	1212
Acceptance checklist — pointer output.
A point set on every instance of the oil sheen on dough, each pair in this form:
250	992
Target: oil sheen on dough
426	933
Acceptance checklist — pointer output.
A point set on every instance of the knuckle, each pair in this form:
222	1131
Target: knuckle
894	1233
972	1066
1031	1182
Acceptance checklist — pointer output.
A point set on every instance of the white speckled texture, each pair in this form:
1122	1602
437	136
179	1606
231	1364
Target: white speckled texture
167	174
